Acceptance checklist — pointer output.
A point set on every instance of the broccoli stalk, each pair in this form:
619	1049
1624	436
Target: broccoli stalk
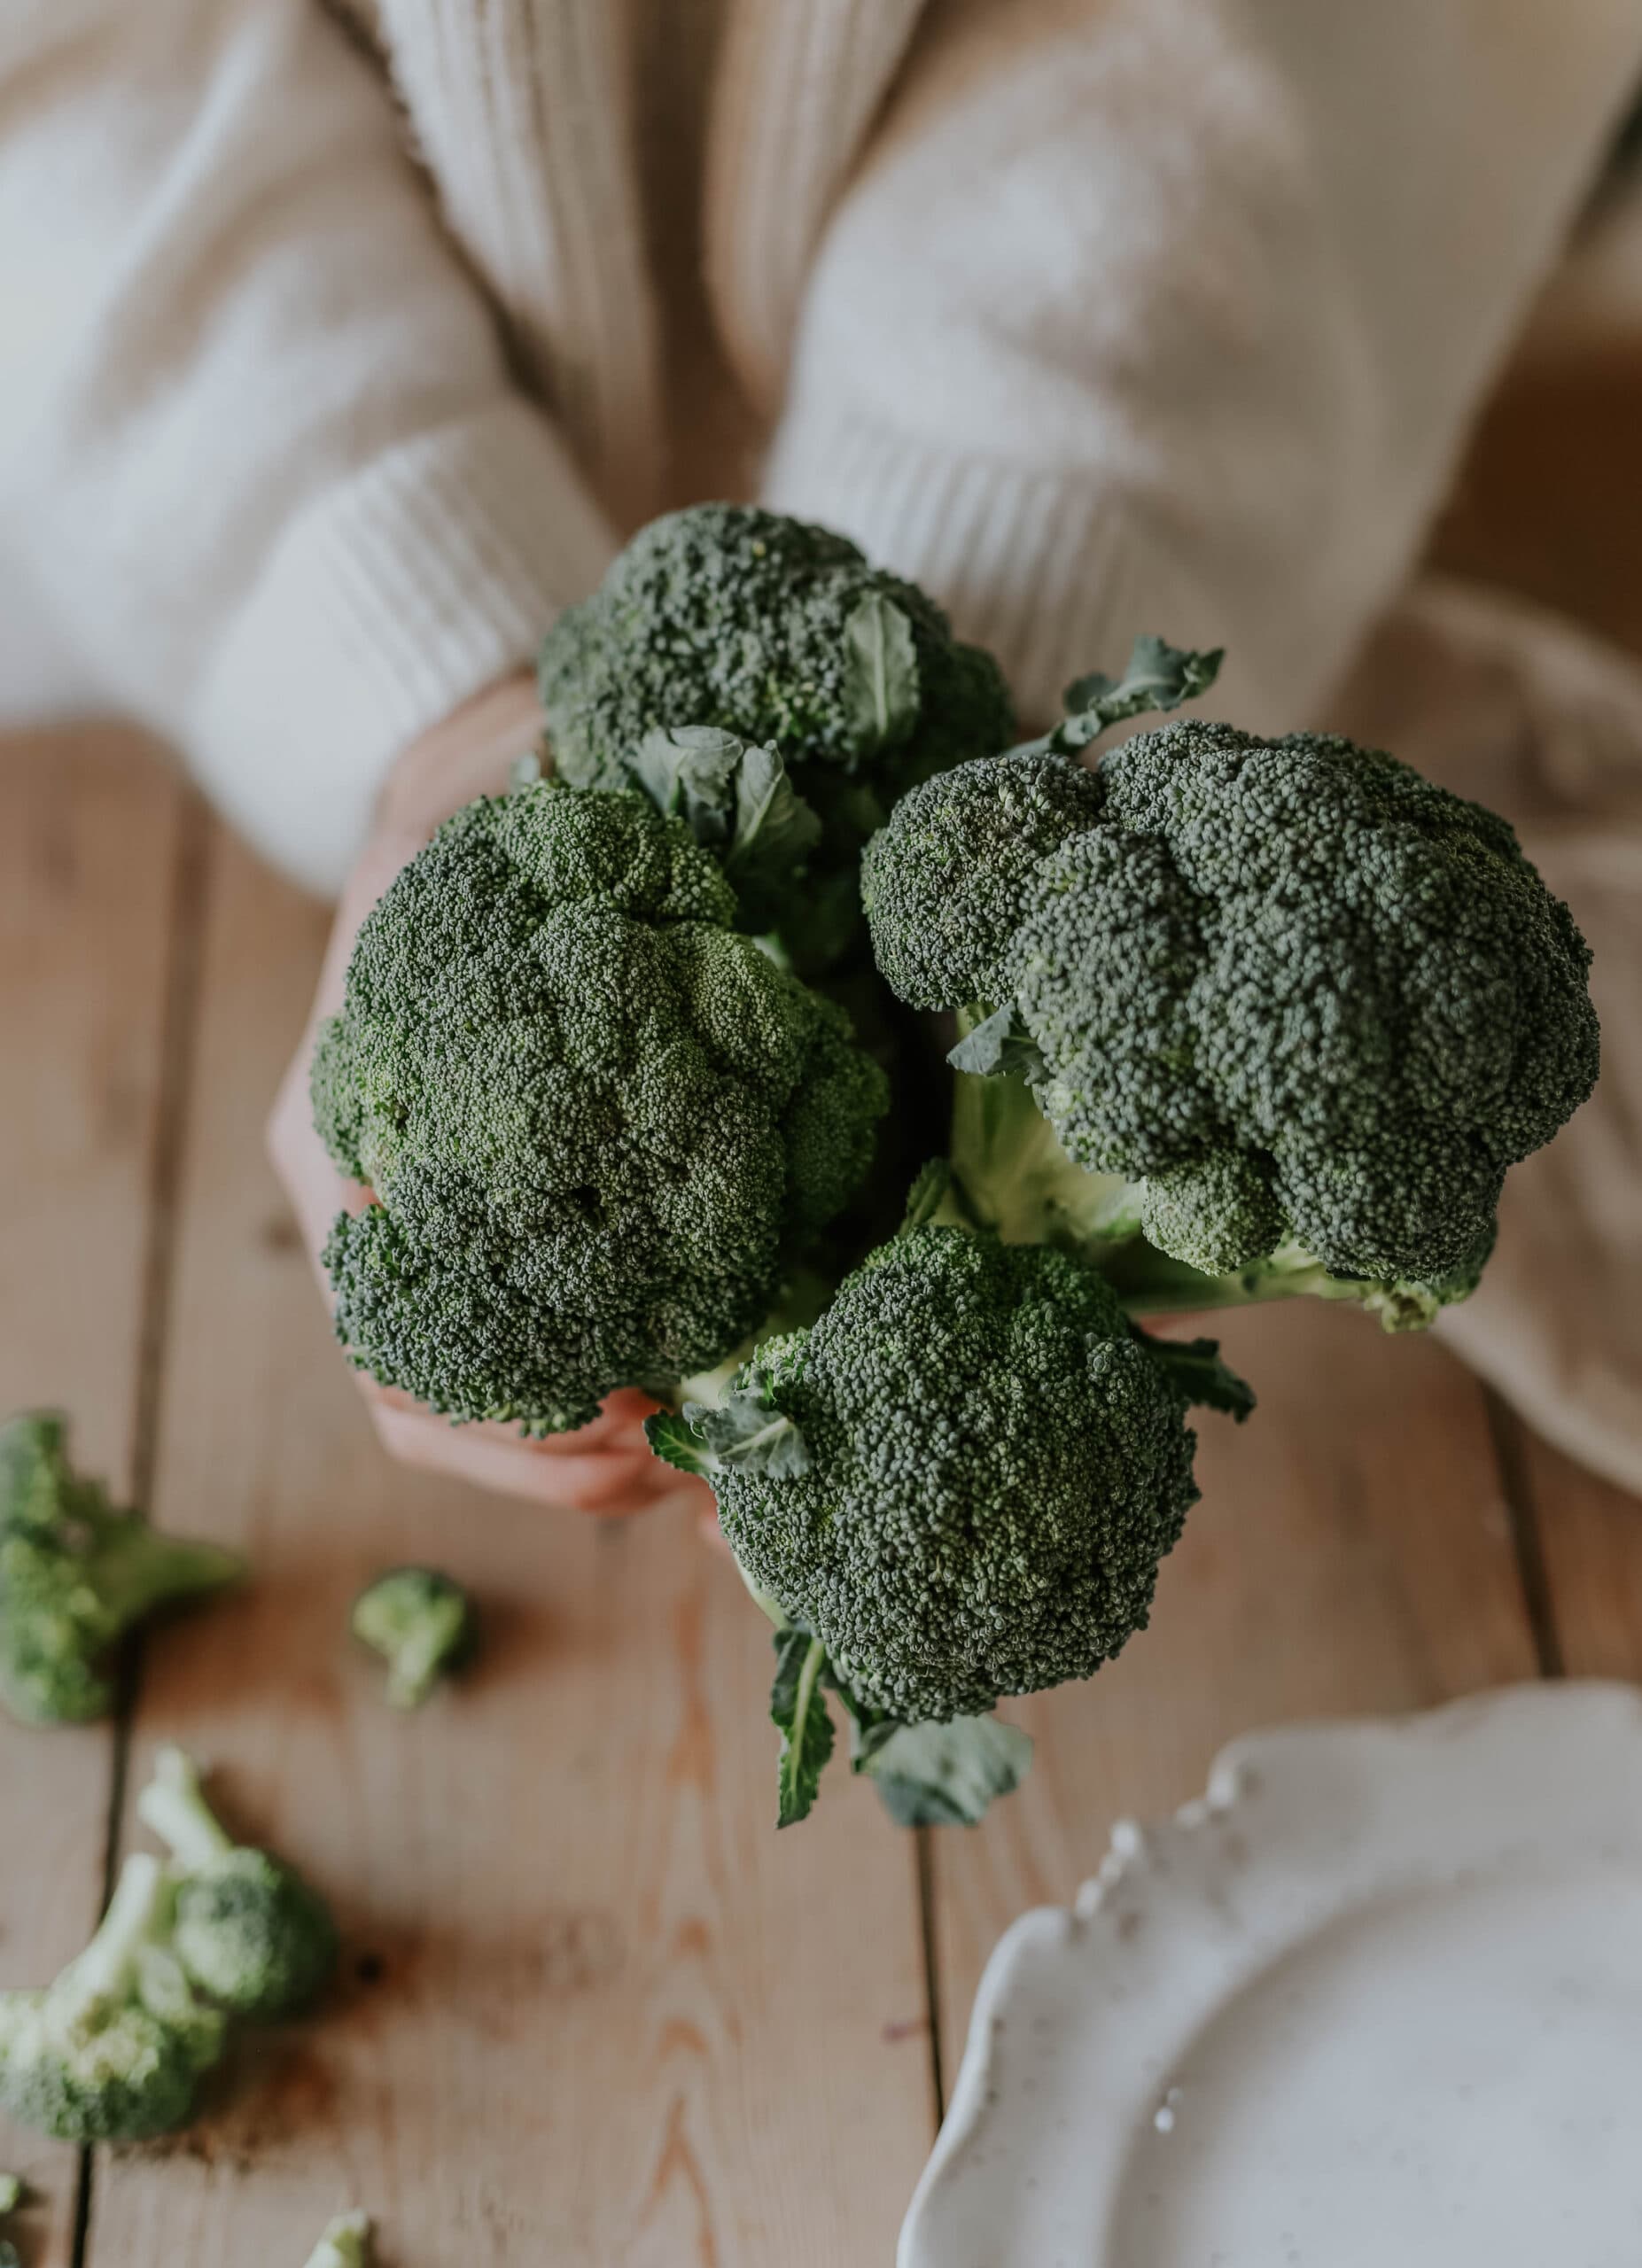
113	2051
11	2192
345	2244
76	1575
248	1930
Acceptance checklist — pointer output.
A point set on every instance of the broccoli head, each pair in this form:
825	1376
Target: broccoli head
987	1462
724	615
1290	1010
76	1575
114	2050
597	1121
422	1624
248	1931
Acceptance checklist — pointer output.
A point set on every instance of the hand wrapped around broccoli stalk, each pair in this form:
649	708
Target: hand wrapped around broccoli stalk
1286	1012
957	1485
597	1121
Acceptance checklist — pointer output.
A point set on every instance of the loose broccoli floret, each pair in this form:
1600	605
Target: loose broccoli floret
773	630
597	1122
957	1484
345	2244
113	2051
248	1931
76	1575
422	1624
1290	1010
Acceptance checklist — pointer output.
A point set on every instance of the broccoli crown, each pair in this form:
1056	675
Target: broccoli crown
254	1936
246	1929
596	1120
994	1467
75	1576
422	1624
950	879
727	615
1300	985
114	2050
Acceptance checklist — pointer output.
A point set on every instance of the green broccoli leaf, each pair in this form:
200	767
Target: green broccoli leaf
774	828
1203	1378
945	1775
881	690
1159	677
689	772
744	1433
798	1709
997	1044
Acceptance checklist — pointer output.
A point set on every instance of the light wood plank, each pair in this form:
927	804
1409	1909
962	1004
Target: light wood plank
88	836
619	2018
1588	1538
1352	1552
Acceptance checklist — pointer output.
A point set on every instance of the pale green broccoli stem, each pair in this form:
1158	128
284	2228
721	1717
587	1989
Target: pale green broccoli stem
137	1916
11	2192
1017	1179
345	2244
174	1807
135	1571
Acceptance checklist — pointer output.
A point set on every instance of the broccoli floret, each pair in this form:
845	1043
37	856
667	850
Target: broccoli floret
1290	1010
114	2050
724	615
957	1484
76	1575
345	2244
248	1931
422	1624
597	1121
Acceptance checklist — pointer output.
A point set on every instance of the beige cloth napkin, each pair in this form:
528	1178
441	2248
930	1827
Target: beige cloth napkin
1504	702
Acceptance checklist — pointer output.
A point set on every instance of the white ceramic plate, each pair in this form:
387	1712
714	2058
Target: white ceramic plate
1374	2002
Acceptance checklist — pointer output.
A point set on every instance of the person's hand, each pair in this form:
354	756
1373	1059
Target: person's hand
607	1466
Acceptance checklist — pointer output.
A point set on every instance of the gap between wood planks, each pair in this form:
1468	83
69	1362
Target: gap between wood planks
179	1032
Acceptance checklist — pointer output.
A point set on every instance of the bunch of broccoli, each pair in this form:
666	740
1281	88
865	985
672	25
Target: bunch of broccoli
1235	1018
115	2048
76	1575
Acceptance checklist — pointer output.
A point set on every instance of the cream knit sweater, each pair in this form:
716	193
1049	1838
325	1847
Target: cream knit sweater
332	361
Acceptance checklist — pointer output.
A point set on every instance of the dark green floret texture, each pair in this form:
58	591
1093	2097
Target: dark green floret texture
725	615
596	1121
1308	1006
952	878
995	1467
253	1936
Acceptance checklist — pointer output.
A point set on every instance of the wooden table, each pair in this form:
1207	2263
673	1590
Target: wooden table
596	2010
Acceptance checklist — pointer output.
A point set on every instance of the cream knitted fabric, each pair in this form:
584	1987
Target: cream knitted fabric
1110	315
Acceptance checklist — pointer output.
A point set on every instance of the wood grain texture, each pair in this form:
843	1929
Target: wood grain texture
596	2010
1588	1539
1353	1552
89	840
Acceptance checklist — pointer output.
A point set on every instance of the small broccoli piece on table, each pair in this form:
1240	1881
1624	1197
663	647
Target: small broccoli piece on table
11	2192
1289	1011
724	615
345	2244
114	2050
597	1121
76	1575
957	1485
248	1931
423	1625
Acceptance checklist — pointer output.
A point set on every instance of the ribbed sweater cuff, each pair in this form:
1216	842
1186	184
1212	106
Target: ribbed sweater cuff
389	599
1056	572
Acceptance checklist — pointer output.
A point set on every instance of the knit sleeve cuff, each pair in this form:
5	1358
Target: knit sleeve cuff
1056	572
390	598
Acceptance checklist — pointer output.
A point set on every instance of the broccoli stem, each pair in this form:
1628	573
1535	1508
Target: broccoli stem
136	1570
136	1915
173	1806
